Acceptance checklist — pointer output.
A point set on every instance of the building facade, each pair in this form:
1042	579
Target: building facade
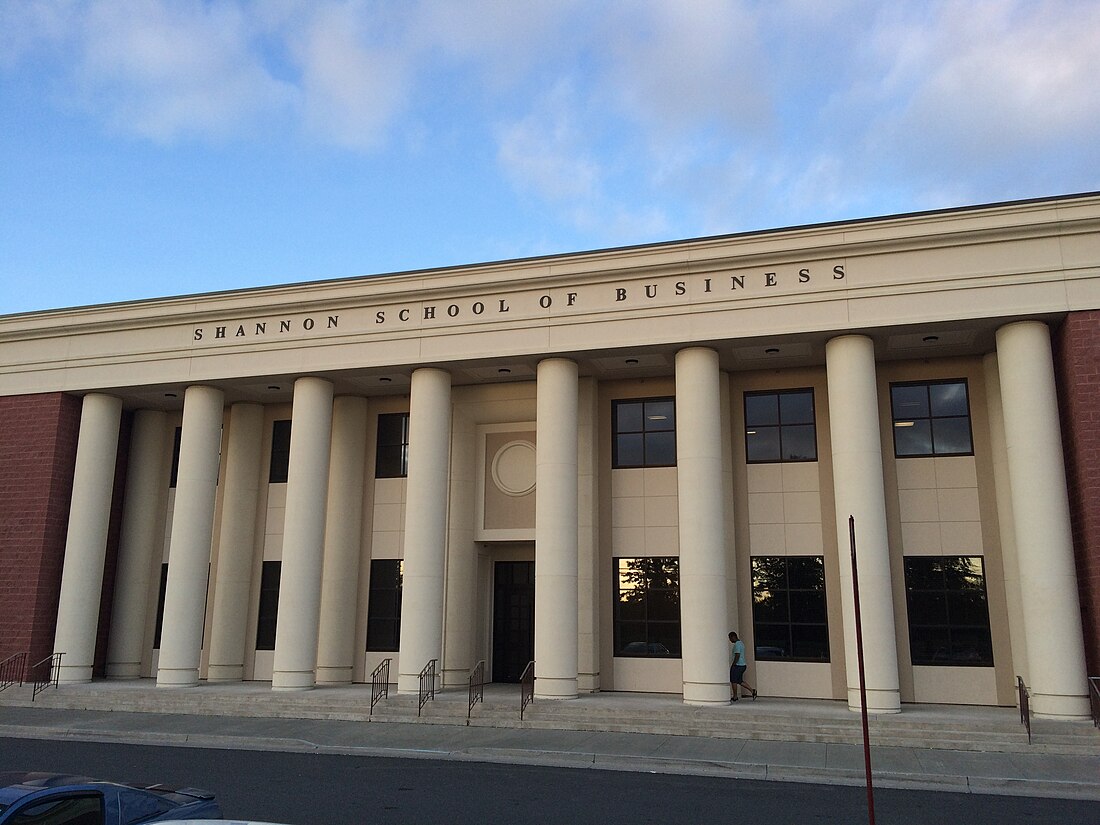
601	462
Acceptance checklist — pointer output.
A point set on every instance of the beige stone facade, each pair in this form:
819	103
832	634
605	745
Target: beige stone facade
519	379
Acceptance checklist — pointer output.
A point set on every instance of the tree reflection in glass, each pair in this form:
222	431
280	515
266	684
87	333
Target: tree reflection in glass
948	611
647	607
790	616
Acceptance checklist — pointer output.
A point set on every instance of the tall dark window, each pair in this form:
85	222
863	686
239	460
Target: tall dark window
644	433
280	452
176	440
948	611
789	615
384	605
931	418
780	426
392	455
268	616
647	607
160	603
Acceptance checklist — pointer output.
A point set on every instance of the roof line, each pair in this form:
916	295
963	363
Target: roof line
576	253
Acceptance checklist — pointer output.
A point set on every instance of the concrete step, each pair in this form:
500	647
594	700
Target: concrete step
984	729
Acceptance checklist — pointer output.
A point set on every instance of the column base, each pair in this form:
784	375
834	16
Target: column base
456	678
410	682
706	693
588	682
1060	706
124	670
549	687
175	678
878	701
74	674
333	675
224	673
293	680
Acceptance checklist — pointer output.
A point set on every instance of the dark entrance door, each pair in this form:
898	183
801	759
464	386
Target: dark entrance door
513	619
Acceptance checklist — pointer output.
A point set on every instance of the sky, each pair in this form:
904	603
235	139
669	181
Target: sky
152	149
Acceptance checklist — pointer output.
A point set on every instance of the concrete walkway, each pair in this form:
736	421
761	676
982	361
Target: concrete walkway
776	739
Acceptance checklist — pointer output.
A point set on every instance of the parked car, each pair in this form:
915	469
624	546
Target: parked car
63	799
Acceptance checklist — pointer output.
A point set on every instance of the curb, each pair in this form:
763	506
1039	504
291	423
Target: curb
1001	786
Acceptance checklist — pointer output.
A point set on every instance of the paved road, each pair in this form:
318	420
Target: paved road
315	789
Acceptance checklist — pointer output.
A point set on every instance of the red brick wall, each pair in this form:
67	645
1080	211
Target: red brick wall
38	436
1077	357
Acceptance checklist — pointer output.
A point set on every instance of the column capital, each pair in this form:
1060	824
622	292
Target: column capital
432	370
695	348
557	359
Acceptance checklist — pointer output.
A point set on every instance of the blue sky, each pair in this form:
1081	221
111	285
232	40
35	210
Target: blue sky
150	149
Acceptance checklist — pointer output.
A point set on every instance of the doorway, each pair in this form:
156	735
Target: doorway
513	618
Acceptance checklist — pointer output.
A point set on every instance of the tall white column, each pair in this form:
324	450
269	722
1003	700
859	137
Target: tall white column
343	539
1040	508
732	612
859	492
146	492
1006	526
460	626
425	525
703	609
588	538
86	541
191	538
236	540
299	613
556	512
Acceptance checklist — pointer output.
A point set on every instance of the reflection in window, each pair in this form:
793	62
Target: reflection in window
948	611
85	809
160	605
779	426
789	615
644	433
177	439
384	605
391	459
280	452
267	619
647	607
931	419
140	806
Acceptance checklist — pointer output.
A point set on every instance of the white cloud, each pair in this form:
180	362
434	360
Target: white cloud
26	28
352	87
678	67
170	70
545	152
984	90
615	114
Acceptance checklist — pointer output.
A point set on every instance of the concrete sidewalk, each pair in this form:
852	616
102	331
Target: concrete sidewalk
1067	766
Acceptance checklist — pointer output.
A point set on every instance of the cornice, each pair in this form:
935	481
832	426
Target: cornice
901	233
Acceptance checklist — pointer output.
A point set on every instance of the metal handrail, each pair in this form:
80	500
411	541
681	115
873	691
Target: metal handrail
477	688
526	688
1094	699
1025	706
379	684
427	675
52	665
12	670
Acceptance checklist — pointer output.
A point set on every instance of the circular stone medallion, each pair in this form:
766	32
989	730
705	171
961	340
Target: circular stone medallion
513	468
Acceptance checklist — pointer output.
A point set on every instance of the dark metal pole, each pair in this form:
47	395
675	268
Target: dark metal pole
862	676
